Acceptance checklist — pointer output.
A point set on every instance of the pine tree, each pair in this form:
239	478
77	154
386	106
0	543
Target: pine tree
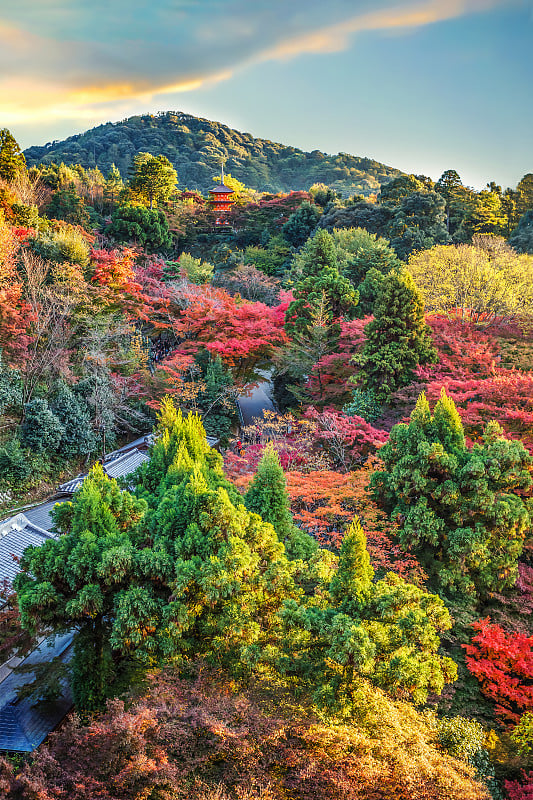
41	431
320	281
397	339
461	510
12	160
386	632
79	579
267	494
350	588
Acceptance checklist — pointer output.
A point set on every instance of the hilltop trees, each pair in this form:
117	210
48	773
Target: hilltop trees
459	509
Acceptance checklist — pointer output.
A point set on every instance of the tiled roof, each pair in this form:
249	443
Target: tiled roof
25	723
40	515
118	465
16	534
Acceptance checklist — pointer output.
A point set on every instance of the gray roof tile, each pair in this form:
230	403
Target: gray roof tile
24	724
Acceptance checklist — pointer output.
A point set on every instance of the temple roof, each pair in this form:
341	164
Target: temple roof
221	189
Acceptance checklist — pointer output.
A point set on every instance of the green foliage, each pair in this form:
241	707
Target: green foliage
217	401
154	178
465	739
41	431
399	188
81	579
68	206
397	339
267	495
145	226
363	404
301	224
419	223
458	508
273	259
521	237
12	160
77	437
386	631
522	734
10	387
320	285
14	464
113	185
196	270
364	259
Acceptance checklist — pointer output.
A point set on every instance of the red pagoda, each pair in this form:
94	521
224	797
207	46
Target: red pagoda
221	200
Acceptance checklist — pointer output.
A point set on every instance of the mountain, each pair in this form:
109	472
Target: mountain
195	146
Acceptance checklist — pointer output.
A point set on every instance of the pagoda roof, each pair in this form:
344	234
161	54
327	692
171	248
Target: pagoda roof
221	189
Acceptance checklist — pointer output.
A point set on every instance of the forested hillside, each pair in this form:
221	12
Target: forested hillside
196	146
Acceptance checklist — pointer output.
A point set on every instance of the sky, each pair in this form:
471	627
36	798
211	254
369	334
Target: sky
421	85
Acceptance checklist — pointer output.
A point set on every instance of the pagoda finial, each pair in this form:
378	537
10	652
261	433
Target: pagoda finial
222	171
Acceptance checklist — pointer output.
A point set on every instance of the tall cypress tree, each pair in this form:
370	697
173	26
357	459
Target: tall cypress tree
267	496
397	339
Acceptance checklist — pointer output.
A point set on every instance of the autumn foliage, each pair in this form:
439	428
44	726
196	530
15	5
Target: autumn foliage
203	740
503	664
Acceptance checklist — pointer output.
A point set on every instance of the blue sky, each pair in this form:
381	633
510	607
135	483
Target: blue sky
423	85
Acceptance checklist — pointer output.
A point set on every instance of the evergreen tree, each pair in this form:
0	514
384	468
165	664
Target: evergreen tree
41	431
522	236
81	580
397	339
133	223
301	224
267	494
350	587
418	224
12	160
352	629
77	438
364	259
68	206
461	510
217	402
154	178
113	185
320	281
10	387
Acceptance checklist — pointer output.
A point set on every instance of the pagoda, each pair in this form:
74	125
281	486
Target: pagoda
220	200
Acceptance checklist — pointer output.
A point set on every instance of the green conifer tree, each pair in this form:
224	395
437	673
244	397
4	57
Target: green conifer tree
350	588
461	510
320	282
12	160
397	339
41	431
78	580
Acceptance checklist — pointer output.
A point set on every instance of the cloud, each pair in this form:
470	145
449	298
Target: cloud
90	56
